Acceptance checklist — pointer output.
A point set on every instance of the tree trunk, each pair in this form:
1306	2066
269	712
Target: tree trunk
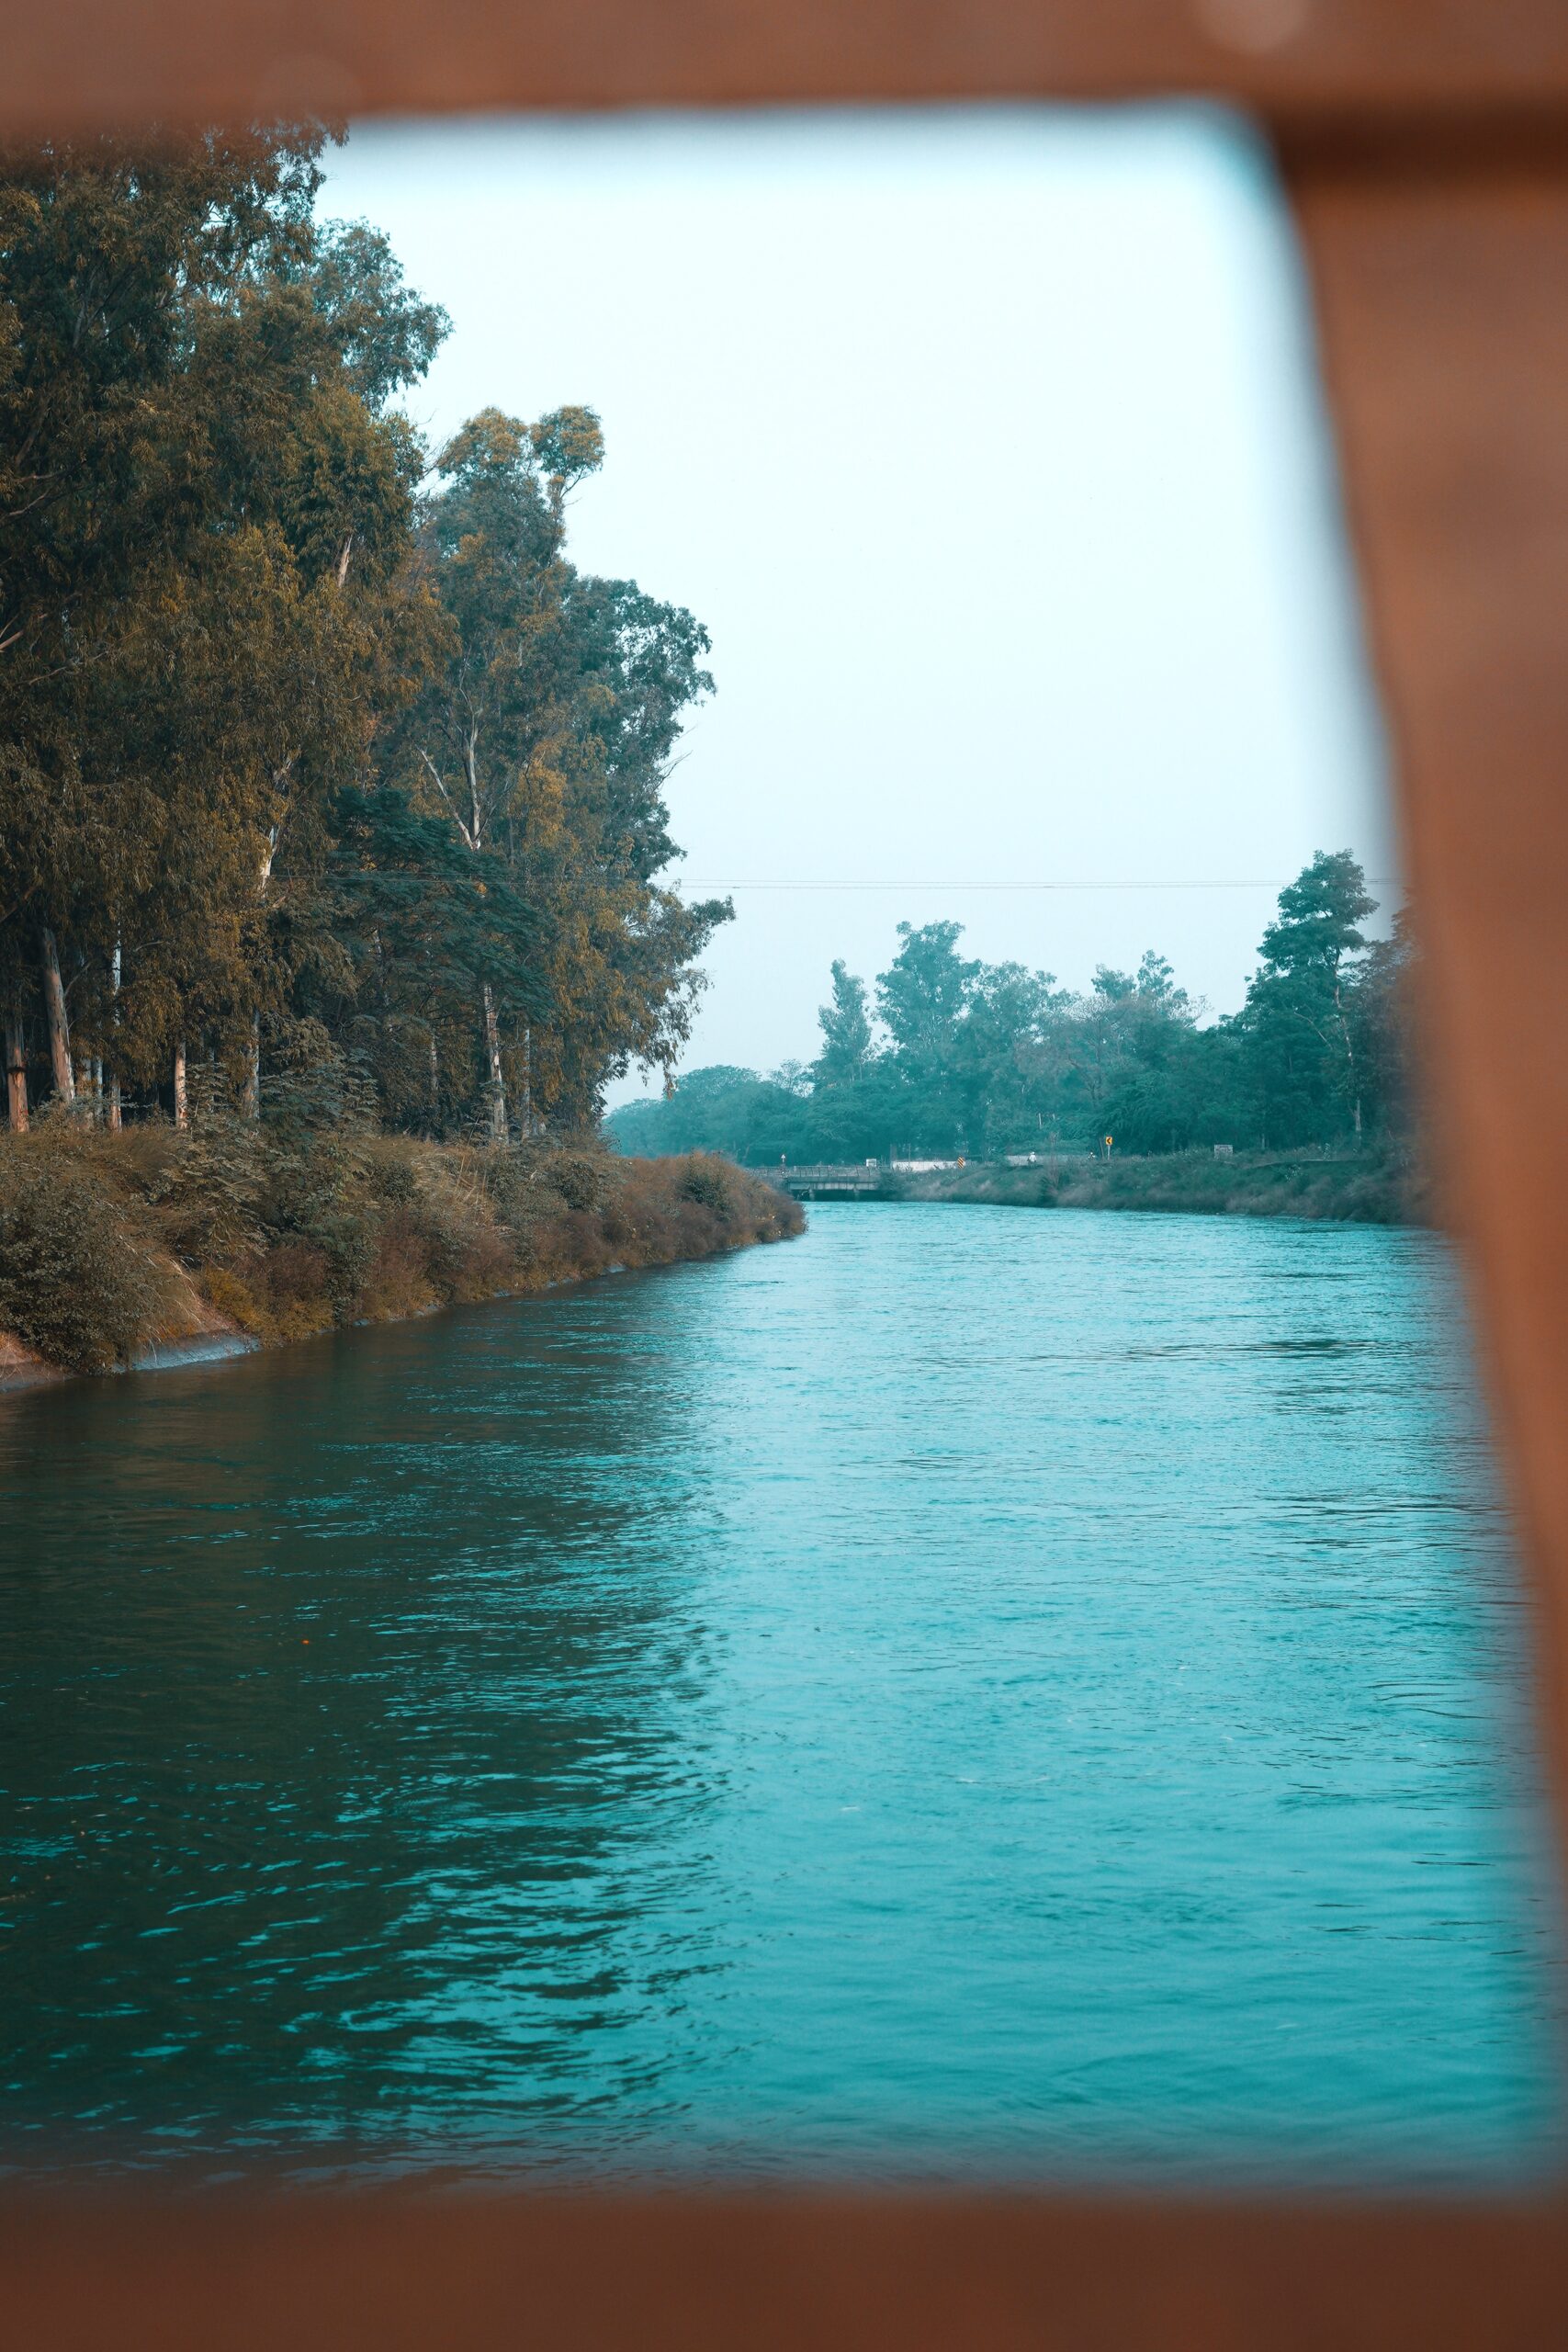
434	1084
114	1072
182	1099
15	1074
497	1083
55	1015
250	1101
1350	1072
526	1108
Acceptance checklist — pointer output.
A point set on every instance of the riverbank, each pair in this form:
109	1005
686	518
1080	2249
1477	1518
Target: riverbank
153	1246
1369	1188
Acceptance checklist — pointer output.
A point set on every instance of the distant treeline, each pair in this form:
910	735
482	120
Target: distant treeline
948	1056
316	751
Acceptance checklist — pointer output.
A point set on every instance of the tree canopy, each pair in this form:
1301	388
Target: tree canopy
981	1060
308	743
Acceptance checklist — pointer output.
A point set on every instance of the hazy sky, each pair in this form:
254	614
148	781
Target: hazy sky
986	446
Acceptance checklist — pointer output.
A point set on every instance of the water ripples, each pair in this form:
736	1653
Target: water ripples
970	1691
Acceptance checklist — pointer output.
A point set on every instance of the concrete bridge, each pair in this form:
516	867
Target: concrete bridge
855	1181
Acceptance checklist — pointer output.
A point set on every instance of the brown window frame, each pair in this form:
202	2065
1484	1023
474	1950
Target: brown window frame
1424	148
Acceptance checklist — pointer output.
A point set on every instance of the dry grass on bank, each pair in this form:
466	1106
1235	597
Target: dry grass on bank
110	1244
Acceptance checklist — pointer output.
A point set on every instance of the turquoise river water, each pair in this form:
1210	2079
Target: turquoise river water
969	1691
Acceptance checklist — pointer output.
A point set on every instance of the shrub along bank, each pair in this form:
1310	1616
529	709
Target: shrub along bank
111	1244
1386	1187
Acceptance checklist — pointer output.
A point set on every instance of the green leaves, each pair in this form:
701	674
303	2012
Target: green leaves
986	1059
1299	1024
541	740
207	579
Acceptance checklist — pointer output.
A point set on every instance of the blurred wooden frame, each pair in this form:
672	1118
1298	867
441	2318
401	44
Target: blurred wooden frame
1425	144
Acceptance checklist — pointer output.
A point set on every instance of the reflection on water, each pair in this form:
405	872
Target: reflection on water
963	1690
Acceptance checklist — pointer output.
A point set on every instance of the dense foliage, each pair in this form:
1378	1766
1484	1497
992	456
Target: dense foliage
285	1226
312	750
954	1056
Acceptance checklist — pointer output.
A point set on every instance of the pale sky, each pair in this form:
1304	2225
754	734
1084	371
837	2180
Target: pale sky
985	444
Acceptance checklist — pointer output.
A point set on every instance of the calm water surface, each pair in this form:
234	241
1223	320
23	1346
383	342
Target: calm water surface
966	1690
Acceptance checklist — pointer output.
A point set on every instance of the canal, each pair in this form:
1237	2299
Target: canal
970	1691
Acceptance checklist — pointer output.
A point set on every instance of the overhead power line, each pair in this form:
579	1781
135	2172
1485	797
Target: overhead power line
1277	882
